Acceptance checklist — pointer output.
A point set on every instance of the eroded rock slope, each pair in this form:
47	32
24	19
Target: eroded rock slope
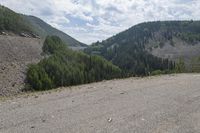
15	54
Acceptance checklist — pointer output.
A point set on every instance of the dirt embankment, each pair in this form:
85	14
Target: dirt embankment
15	54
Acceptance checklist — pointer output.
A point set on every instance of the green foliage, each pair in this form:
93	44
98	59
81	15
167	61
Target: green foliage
53	44
180	66
11	21
133	59
38	78
65	67
195	64
157	72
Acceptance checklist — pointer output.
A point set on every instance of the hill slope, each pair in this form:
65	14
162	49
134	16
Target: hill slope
11	22
15	54
167	40
43	29
17	50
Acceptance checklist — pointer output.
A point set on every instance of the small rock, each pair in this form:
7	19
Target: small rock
3	68
13	85
32	126
43	120
109	120
36	96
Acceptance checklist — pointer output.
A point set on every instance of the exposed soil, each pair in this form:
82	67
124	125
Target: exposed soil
15	54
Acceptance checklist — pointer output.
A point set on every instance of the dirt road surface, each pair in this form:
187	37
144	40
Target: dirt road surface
161	104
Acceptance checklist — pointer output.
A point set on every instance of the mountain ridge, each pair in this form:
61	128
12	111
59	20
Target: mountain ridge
43	29
12	23
144	39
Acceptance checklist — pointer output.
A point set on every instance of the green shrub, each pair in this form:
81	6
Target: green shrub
180	66
53	44
38	78
157	72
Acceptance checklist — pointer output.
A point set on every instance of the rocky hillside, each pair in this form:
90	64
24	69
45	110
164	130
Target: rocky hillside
15	54
173	40
179	50
21	40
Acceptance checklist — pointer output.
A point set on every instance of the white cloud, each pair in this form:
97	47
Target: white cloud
92	20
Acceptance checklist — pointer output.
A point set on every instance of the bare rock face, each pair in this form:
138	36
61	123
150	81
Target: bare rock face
15	55
179	49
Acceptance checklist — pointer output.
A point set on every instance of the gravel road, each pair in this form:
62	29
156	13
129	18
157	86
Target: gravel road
162	104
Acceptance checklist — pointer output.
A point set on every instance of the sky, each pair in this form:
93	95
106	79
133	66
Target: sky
95	20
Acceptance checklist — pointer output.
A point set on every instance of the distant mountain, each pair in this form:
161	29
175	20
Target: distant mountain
43	29
30	26
144	47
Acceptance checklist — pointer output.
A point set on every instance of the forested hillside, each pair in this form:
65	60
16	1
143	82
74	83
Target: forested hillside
30	26
43	29
64	67
139	49
11	21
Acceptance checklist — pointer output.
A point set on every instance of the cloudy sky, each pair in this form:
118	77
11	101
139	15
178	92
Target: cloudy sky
92	20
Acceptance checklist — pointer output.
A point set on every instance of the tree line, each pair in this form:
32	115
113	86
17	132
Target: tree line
64	67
